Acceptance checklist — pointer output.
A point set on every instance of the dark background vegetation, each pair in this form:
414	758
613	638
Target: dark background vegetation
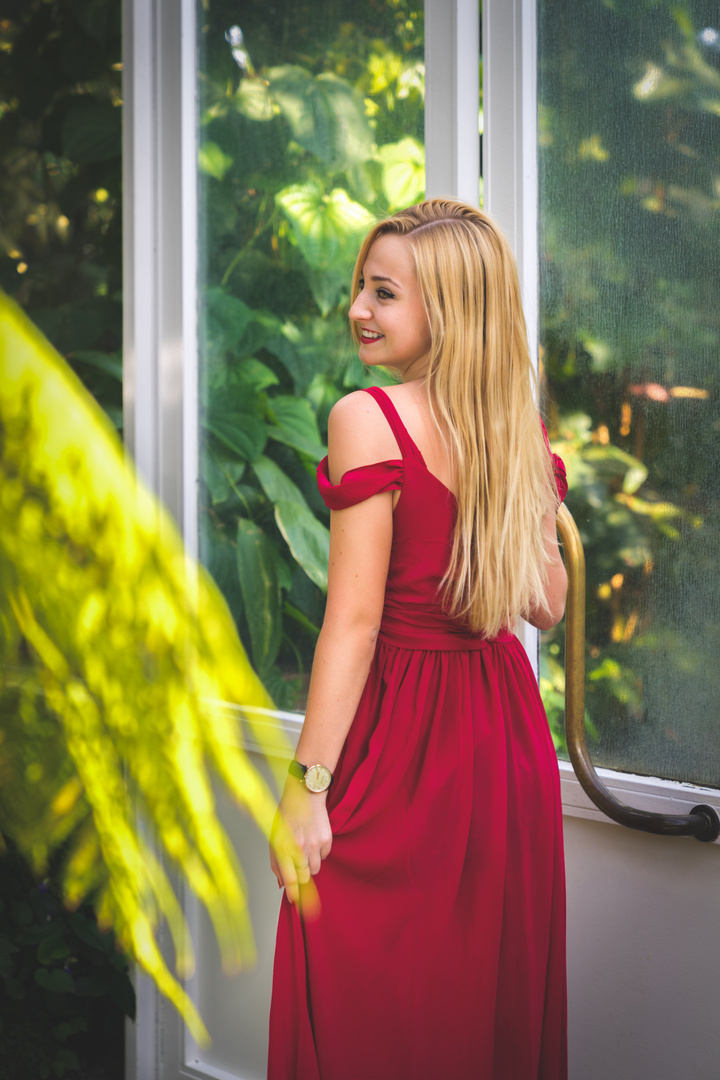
629	228
64	987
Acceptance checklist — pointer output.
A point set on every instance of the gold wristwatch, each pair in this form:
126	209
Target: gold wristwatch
316	778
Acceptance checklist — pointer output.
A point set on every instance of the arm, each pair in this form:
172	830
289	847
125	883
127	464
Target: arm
360	541
543	618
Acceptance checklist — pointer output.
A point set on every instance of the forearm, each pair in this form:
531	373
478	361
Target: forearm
342	661
546	616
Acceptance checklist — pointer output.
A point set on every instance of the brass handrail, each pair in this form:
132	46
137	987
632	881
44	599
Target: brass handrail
702	822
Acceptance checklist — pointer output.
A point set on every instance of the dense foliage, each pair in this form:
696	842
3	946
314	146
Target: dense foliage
60	180
630	224
66	985
310	128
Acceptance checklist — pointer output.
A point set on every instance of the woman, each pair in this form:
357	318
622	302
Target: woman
425	783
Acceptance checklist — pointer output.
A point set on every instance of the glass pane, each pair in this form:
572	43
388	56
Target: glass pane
311	125
629	229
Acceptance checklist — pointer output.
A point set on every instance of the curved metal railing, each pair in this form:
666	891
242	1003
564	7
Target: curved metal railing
702	822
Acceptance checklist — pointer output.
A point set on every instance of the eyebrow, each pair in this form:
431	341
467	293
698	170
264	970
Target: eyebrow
377	277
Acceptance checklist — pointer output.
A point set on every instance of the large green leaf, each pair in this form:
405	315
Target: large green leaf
326	115
297	442
403	172
213	161
297	350
276	484
91	131
296	415
103	361
253	99
241	432
257	572
252	374
55	980
328	227
307	538
296	426
221	477
227	321
612	462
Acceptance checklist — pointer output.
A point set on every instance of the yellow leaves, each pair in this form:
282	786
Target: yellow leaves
133	649
383	69
67	797
92	613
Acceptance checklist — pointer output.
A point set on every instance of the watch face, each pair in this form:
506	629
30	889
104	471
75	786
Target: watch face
317	778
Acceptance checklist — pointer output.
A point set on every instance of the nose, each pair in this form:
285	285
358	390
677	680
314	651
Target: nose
359	309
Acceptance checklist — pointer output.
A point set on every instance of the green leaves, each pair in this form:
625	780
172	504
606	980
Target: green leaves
326	116
92	131
328	228
403	172
257	572
307	538
319	144
241	432
611	462
213	161
55	980
296	426
53	947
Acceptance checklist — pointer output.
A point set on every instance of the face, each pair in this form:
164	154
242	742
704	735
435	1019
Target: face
389	312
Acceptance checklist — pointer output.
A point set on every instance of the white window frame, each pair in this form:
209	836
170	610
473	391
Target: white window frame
160	276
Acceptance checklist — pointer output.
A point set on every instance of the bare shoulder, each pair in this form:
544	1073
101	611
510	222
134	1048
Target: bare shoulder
410	399
358	434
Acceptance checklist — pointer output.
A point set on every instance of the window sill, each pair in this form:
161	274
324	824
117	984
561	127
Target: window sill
643	792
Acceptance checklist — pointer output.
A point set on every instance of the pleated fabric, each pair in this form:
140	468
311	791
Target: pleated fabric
439	950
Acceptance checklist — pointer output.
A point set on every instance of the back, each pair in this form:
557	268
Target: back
423	523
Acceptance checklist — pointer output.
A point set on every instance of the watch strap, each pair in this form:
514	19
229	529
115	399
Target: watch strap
297	770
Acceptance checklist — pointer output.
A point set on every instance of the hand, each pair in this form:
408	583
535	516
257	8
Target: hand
301	837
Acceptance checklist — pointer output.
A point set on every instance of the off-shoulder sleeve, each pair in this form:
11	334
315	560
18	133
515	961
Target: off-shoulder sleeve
558	469
560	476
359	484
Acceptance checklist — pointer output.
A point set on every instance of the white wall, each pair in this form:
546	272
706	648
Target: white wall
643	954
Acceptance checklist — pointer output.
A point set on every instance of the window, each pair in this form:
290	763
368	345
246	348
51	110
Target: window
311	126
629	104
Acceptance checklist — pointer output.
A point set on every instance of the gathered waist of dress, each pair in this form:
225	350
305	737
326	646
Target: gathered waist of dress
419	627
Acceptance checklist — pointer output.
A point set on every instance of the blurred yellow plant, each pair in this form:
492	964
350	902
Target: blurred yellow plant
117	652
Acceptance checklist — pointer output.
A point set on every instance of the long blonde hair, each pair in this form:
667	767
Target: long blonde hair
481	386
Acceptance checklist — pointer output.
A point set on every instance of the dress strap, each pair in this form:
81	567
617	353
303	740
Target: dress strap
407	446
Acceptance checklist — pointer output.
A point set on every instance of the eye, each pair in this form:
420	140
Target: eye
385	294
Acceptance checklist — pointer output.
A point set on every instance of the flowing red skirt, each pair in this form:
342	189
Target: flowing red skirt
439	950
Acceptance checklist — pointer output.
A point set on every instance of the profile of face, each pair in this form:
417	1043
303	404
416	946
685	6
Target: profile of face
389	311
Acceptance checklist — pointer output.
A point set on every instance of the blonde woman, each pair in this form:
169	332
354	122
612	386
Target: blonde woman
424	798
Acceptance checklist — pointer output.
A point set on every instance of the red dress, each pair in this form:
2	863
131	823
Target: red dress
439	952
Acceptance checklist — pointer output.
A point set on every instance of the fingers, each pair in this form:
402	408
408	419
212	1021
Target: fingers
289	878
298	847
314	862
292	874
326	845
